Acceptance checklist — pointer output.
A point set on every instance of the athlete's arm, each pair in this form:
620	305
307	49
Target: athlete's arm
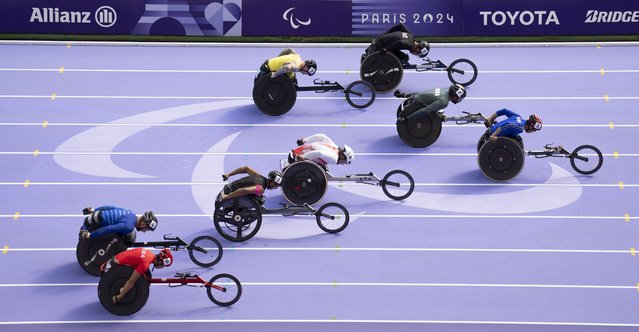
120	228
127	287
240	192
286	68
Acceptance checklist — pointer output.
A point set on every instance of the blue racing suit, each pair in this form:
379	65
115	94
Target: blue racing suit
113	220
510	127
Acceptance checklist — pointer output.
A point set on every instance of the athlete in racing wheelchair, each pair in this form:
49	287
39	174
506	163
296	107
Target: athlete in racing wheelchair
420	115
106	220
395	40
253	185
287	63
322	150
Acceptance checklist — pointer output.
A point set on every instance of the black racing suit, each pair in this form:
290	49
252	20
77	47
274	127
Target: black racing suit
248	181
396	39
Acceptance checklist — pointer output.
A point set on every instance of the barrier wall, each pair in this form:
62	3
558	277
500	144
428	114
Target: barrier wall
320	17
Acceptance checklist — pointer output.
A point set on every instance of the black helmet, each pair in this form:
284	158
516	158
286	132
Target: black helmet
275	176
312	67
457	90
150	219
424	48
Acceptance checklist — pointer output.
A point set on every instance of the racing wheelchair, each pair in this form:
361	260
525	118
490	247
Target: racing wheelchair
503	159
239	219
424	132
276	96
307	182
204	250
385	71
223	289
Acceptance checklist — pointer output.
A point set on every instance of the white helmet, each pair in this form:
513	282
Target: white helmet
349	154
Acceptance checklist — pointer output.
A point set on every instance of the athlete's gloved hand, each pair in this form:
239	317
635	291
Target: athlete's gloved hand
84	234
225	177
300	141
87	210
399	94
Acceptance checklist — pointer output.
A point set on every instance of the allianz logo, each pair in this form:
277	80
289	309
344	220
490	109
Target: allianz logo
104	16
526	17
595	16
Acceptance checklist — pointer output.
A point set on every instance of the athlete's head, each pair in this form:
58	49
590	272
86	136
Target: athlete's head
309	68
457	93
164	258
148	222
346	155
533	123
274	179
420	48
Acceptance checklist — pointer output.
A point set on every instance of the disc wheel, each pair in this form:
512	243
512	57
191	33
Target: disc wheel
205	251
237	219
586	159
383	71
91	253
274	96
462	71
360	94
501	160
231	292
332	217
398	185
304	182
418	133
110	284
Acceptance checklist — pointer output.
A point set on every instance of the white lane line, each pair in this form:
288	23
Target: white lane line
363	216
343	71
364	284
541	98
371	154
334	184
323	321
336	249
270	125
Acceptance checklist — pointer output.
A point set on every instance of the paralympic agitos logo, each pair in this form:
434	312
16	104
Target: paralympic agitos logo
295	22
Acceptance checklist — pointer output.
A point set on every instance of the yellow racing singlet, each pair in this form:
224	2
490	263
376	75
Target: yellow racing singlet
276	63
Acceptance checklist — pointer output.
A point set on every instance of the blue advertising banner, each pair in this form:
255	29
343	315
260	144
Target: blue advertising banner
612	17
550	17
422	17
517	18
123	17
367	18
297	18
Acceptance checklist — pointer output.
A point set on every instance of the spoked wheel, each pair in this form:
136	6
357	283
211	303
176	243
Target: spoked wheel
398	185
304	182
360	94
274	96
418	133
383	71
237	219
462	71
232	290
501	160
110	285
586	159
91	253
205	251
332	217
